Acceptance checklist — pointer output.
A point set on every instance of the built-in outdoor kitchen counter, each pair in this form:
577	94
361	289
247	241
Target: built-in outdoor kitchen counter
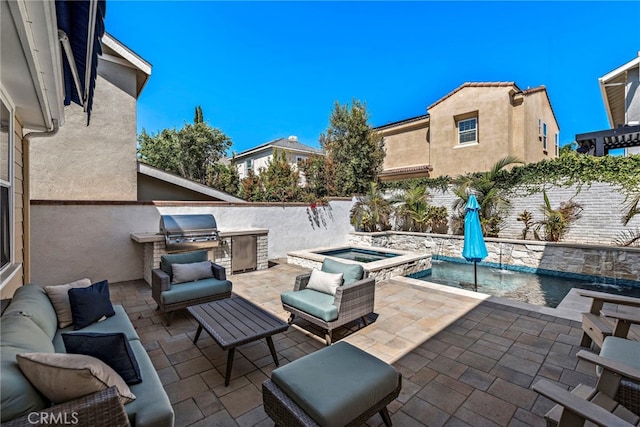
239	250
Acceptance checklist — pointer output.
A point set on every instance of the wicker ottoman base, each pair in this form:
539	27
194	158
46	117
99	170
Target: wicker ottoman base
285	412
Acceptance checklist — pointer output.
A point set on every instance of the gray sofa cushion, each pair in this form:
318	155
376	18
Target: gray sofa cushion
350	272
118	323
31	300
150	407
336	384
193	290
166	261
20	334
315	303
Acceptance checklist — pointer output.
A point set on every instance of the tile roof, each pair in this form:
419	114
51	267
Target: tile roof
473	84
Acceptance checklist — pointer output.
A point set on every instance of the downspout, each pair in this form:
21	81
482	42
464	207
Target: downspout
26	194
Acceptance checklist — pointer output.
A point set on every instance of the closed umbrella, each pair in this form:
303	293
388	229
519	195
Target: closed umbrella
474	247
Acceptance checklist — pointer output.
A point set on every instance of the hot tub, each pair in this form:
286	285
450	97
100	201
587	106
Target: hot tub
381	263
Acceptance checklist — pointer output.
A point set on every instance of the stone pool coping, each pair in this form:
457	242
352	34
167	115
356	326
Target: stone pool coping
406	262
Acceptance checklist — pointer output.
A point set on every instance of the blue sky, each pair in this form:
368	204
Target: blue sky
264	70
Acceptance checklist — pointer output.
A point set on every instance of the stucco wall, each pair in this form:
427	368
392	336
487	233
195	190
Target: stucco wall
537	107
78	240
406	146
96	162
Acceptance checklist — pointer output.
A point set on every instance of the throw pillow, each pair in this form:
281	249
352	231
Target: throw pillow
62	377
326	283
59	296
192	271
113	349
88	305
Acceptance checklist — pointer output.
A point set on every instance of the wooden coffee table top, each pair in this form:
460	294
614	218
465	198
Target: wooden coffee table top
235	321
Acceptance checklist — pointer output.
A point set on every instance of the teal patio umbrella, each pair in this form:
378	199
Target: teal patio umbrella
474	247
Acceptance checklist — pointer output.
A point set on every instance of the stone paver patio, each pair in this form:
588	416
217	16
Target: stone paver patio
464	360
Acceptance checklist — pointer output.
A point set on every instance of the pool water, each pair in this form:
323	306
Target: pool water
539	289
357	254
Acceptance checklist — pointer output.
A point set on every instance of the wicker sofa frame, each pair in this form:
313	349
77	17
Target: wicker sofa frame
160	282
354	301
100	409
285	412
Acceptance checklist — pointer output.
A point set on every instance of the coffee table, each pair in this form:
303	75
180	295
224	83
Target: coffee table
234	321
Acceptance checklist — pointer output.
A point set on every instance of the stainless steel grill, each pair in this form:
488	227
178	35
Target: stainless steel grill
188	232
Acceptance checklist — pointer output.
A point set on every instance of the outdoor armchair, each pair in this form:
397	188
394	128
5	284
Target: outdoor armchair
208	282
354	299
597	326
596	404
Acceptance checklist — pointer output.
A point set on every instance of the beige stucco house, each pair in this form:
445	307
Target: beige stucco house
469	129
258	158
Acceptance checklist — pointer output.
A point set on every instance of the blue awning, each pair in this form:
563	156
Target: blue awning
80	29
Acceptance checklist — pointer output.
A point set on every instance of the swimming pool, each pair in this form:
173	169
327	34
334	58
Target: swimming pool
534	288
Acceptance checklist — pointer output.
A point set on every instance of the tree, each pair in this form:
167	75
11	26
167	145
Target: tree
224	178
556	222
319	176
412	210
354	149
280	180
189	152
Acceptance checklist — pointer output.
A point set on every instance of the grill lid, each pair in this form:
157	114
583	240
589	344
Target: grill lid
188	232
187	224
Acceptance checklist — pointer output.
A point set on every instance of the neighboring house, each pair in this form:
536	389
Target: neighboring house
469	129
258	158
621	95
34	85
156	184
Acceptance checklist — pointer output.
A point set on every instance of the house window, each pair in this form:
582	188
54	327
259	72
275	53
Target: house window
557	148
248	165
467	130
299	159
544	136
539	127
6	184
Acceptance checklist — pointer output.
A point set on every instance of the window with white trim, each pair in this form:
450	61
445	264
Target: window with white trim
544	136
6	185
557	148
467	130
248	165
539	127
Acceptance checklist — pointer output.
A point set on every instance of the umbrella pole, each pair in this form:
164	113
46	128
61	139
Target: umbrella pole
475	276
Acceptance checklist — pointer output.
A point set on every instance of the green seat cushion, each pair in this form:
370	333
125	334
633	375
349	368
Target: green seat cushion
31	300
192	290
350	272
19	334
150	409
118	323
315	303
621	350
166	261
336	384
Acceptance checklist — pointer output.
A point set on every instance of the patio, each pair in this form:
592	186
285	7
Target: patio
464	360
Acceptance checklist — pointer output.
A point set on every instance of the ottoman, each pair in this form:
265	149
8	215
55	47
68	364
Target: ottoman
339	385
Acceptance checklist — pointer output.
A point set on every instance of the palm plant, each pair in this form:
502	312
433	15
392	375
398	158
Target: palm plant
630	237
556	222
412	209
492	199
371	212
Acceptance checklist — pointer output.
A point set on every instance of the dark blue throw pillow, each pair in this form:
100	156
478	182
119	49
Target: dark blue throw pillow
112	348
88	305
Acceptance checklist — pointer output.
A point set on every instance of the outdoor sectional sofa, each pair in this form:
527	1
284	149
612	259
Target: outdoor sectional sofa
30	325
